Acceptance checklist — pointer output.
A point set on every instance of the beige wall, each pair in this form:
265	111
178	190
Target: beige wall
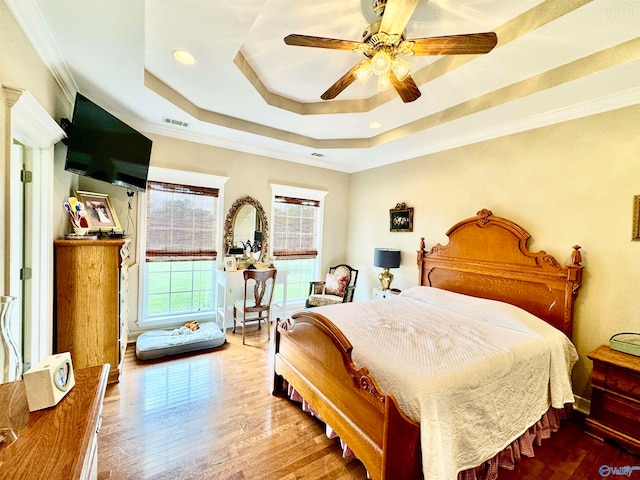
21	67
566	184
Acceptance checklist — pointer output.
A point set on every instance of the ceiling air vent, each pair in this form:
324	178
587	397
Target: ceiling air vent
172	121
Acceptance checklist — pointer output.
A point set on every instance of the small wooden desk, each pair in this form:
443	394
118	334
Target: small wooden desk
57	443
230	287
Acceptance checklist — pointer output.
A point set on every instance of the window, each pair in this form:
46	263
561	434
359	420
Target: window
181	223
179	241
296	237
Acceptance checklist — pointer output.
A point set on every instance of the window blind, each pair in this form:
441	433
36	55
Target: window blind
294	229
181	222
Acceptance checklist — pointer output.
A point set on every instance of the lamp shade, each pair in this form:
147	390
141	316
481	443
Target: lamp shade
386	258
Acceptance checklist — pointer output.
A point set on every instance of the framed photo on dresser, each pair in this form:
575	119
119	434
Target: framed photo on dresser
101	216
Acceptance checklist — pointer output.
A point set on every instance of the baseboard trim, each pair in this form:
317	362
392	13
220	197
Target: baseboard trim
582	405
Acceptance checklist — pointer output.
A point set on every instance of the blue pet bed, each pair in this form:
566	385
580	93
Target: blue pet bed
159	343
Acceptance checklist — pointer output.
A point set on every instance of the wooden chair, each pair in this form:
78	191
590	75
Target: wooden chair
338	287
256	304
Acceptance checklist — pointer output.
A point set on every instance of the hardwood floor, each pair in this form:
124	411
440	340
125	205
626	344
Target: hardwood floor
210	415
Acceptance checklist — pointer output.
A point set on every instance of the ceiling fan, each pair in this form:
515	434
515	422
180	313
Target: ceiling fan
384	42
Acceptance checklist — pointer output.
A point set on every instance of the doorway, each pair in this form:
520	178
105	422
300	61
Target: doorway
29	224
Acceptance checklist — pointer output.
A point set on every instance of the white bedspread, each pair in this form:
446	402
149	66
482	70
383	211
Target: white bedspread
475	373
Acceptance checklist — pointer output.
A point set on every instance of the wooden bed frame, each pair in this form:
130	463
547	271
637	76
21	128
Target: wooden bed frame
486	257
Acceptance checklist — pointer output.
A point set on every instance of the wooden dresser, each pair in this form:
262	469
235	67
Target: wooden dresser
615	398
57	443
91	293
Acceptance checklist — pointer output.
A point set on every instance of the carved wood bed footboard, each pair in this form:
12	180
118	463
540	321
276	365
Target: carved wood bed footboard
313	355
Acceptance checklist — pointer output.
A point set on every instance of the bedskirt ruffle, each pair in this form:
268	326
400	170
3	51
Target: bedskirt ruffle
507	458
522	446
296	397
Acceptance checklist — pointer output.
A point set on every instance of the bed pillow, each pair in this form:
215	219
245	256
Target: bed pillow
493	312
336	284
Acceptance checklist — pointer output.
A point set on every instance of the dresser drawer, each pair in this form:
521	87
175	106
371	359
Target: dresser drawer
616	412
622	381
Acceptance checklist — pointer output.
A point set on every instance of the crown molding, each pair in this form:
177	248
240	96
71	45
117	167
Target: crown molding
565	114
240	146
30	20
572	112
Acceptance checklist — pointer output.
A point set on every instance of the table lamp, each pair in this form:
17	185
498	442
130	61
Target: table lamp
386	258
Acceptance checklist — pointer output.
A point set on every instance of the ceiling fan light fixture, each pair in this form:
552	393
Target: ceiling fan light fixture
384	82
385	40
381	62
363	72
401	68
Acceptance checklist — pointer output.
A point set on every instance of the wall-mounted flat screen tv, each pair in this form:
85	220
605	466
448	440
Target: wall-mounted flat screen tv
103	147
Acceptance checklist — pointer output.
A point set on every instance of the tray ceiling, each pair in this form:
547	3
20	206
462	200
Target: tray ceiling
249	91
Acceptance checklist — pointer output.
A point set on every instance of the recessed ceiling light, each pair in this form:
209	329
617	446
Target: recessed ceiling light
375	125
184	57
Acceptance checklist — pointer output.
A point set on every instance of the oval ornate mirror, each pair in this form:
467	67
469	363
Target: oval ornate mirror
247	221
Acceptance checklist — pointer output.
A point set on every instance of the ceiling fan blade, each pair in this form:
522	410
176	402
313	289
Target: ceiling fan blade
396	15
407	89
455	44
342	83
320	42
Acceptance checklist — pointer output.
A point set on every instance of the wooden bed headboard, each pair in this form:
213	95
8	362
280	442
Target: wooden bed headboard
487	257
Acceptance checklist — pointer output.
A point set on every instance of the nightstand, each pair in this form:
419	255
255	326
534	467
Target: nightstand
379	294
615	398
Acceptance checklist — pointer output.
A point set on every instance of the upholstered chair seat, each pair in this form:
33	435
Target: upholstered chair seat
338	287
321	300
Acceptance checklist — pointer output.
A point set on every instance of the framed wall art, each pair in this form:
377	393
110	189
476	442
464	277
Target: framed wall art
101	217
401	218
